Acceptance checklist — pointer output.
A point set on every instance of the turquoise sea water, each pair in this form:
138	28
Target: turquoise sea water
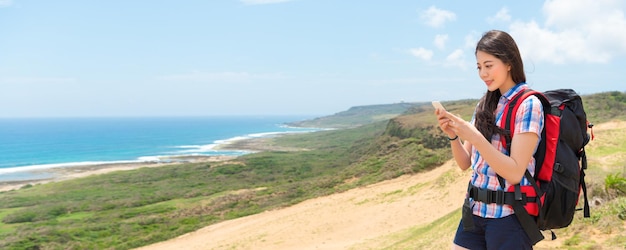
28	144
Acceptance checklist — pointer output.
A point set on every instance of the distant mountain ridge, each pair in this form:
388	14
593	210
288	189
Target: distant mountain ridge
600	108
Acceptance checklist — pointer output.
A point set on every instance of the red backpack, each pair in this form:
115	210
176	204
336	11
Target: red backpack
560	163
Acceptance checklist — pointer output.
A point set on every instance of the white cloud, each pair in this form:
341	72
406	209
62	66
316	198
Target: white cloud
457	59
257	2
587	31
501	16
422	53
440	41
435	17
6	3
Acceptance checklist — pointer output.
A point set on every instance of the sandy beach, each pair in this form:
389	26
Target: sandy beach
66	173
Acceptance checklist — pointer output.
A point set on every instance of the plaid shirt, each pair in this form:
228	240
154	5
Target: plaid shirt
529	118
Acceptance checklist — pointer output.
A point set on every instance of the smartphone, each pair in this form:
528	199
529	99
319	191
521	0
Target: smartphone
438	105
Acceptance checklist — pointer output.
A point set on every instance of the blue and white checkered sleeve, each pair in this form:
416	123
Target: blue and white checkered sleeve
529	117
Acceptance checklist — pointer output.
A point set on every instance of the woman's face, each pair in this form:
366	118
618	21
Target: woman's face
494	72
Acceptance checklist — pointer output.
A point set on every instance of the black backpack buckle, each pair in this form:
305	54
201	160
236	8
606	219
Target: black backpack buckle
488	196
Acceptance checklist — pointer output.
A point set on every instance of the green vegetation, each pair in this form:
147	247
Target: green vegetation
128	209
615	182
605	106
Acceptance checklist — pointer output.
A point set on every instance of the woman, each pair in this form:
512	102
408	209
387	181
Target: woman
500	67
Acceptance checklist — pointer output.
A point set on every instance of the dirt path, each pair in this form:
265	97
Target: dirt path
338	221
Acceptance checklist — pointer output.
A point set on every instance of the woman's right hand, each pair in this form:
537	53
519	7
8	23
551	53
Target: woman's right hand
444	122
455	126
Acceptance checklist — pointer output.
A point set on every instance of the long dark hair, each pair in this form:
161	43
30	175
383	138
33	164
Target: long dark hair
501	45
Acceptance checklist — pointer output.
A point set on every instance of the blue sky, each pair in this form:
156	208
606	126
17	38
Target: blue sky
287	57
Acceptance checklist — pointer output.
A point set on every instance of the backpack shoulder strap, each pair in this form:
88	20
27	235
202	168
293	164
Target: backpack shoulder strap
508	124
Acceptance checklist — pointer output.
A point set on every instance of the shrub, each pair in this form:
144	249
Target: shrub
20	217
614	183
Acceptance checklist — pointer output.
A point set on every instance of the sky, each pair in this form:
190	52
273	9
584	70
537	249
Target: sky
141	58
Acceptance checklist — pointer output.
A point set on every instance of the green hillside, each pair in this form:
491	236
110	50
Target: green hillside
606	106
127	209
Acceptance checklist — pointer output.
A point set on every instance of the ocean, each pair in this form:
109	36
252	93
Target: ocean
28	144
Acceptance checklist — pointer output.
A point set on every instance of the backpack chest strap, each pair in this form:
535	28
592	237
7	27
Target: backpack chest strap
499	197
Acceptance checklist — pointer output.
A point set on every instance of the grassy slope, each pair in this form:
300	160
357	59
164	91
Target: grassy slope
133	208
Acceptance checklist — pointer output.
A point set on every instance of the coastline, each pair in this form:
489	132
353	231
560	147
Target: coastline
248	144
72	172
201	139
